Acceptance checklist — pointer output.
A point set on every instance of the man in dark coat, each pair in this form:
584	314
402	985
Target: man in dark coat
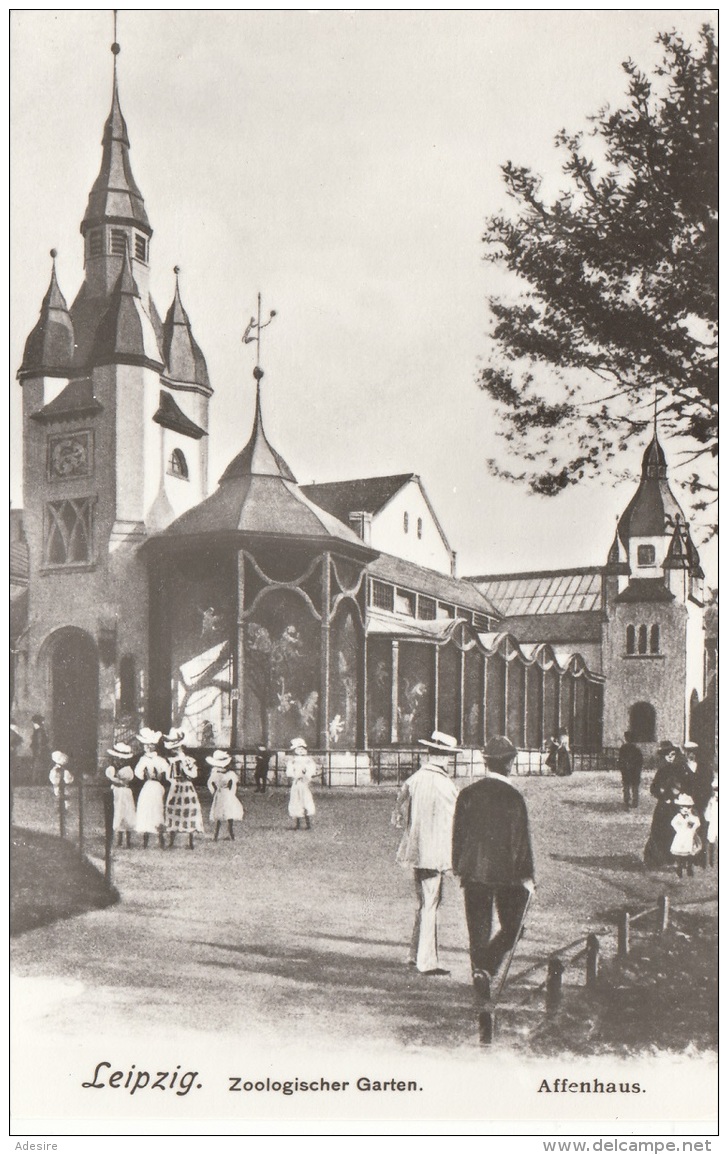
491	854
630	767
262	765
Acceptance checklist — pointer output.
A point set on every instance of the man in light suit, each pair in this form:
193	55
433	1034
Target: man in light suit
425	808
492	857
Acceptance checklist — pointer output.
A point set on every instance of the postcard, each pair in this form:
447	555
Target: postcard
363	625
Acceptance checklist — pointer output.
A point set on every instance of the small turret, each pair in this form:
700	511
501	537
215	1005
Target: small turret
126	334
50	347
183	359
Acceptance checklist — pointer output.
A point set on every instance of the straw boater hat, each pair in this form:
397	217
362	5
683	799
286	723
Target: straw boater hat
219	760
121	750
690	746
445	743
684	800
298	744
59	758
149	737
174	738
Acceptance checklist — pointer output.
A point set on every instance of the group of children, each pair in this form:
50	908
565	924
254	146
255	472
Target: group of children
687	844
168	803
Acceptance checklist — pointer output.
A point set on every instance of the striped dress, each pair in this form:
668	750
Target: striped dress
183	812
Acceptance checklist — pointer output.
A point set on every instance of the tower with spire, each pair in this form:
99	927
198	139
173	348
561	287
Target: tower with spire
115	420
652	637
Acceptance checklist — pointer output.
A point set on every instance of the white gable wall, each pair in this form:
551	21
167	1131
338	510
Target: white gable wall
389	534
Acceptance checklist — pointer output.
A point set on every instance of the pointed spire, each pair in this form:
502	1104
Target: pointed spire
126	334
654	462
50	347
258	457
115	195
183	358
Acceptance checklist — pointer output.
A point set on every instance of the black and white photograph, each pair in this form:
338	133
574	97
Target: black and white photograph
363	572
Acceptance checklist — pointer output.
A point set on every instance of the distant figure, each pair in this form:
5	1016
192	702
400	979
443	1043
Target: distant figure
301	769
222	784
686	844
151	769
425	809
630	767
60	772
262	766
491	854
183	813
666	786
121	776
563	756
40	748
711	822
552	747
16	741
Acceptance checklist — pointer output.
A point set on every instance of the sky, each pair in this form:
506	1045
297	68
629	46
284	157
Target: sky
343	164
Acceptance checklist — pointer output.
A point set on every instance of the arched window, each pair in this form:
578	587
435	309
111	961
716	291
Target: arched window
419	527
642	640
127	684
630	639
406	523
642	722
178	465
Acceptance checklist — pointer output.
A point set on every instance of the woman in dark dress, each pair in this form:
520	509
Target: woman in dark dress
668	783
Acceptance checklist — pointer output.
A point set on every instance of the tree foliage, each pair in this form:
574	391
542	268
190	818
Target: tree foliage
619	304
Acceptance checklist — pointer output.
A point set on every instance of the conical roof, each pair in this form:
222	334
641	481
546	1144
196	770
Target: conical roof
50	347
654	508
183	359
126	334
258	495
115	196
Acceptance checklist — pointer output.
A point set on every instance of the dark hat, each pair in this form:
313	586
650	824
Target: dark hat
499	747
666	747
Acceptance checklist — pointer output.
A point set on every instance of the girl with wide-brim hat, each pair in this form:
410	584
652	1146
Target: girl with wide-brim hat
300	770
183	813
151	769
121	775
222	784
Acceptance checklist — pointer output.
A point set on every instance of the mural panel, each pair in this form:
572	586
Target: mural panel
416	692
473	698
345	649
448	701
495	672
379	691
282	672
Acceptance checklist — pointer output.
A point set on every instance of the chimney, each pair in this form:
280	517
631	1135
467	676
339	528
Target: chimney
361	523
453	563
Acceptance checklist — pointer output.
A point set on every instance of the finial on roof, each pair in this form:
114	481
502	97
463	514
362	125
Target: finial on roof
176	270
252	333
54	254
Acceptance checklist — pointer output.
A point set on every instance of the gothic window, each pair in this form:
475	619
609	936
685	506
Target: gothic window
419	527
645	555
642	640
140	247
96	243
655	639
382	596
426	608
118	242
406	523
69	532
630	640
178	465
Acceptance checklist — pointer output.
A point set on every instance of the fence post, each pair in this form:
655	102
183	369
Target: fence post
62	804
80	814
592	959
623	935
663	910
486	1027
553	982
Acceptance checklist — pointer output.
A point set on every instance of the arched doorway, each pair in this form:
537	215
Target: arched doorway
74	679
642	722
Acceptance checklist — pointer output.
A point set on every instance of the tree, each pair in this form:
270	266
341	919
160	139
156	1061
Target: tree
619	306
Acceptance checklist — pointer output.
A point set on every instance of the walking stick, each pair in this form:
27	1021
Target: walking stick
517	939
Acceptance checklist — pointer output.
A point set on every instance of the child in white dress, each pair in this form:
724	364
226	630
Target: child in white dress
60	772
223	784
153	770
686	844
121	775
300	769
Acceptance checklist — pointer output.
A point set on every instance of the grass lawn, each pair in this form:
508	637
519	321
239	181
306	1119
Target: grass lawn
283	933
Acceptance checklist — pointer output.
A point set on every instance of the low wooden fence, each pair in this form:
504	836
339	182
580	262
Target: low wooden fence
589	956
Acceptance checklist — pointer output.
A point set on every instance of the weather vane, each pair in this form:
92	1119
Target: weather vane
252	333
